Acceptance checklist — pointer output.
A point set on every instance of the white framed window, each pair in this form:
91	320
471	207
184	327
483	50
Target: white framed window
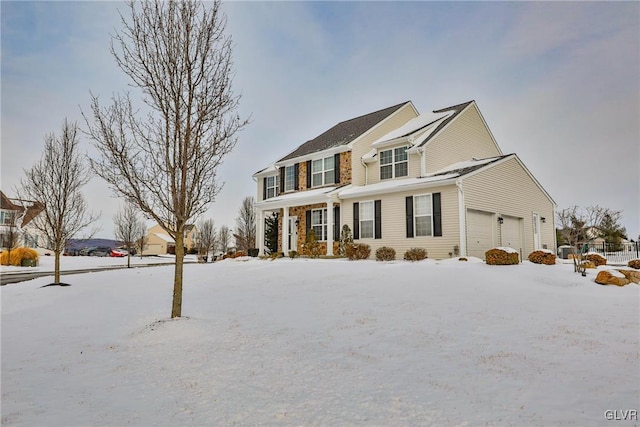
289	178
272	187
367	220
394	163
6	217
423	215
322	172
319	223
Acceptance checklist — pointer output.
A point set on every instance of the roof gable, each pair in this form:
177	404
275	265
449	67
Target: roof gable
343	133
455	109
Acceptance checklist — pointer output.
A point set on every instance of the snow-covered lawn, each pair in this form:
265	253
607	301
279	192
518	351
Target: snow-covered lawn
322	342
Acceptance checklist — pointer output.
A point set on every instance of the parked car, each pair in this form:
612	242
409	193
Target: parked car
118	253
96	251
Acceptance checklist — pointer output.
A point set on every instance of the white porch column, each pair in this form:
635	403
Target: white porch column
329	228
285	231
260	232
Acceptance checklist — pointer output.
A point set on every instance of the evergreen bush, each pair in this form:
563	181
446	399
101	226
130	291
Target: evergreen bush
357	251
415	254
542	257
497	256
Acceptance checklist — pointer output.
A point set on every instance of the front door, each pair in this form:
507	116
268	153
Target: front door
536	231
293	233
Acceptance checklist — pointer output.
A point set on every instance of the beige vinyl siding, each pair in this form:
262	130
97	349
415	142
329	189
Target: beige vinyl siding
507	189
466	137
363	145
260	189
394	224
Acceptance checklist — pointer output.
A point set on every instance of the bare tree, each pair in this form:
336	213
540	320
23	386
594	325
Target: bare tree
129	228
207	233
142	242
246	225
55	181
178	55
224	236
580	225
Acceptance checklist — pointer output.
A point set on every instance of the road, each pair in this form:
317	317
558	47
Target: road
15	277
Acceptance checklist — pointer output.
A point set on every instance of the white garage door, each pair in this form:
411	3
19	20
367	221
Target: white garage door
511	234
479	232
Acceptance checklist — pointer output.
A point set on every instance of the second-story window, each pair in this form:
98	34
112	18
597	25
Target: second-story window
272	187
394	163
323	171
289	178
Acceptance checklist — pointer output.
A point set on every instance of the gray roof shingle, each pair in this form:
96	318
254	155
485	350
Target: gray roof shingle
343	133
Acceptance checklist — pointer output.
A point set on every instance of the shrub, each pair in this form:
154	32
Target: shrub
596	259
17	255
500	256
385	253
415	254
293	254
357	251
542	257
462	259
634	263
253	252
311	246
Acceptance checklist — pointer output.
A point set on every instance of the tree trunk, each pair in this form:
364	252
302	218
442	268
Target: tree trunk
129	258
176	308
56	274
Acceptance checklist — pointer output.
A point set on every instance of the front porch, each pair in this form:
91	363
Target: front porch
298	213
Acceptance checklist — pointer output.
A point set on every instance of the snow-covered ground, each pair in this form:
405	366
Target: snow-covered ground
322	342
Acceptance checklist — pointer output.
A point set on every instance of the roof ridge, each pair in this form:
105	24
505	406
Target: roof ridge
455	107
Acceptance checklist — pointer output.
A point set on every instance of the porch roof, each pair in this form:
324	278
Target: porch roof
300	198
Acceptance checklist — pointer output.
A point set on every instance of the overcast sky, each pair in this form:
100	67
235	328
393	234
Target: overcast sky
557	83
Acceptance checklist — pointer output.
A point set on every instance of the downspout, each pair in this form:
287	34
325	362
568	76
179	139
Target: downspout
366	171
462	218
423	164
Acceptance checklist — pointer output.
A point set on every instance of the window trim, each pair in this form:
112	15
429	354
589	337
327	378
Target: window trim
288	188
372	219
323	224
430	215
323	172
394	162
273	187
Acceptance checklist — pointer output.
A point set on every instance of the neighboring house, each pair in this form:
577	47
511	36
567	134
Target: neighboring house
402	179
17	216
159	242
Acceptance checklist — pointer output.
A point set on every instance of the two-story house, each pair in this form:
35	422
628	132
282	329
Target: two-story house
158	242
402	179
16	224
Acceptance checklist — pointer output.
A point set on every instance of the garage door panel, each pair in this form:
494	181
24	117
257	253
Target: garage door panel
480	232
511	232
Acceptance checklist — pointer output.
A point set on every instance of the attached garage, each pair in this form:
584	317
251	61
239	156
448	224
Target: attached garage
511	232
480	232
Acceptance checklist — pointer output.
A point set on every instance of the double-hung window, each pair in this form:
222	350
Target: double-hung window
319	223
423	215
394	163
272	187
322	171
289	178
366	220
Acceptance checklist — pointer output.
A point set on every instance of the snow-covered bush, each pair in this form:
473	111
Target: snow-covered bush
634	263
415	254
385	253
357	251
17	256
542	257
293	254
502	256
462	259
595	258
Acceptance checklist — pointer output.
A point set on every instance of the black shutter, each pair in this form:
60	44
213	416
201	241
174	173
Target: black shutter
308	173
264	188
281	189
336	170
378	219
336	223
356	221
308	223
437	215
409	215
296	173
